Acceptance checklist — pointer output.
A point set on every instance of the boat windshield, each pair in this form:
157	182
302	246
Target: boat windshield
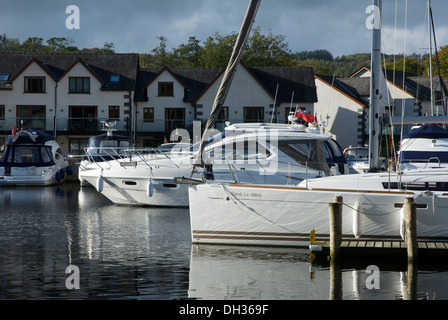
27	156
309	153
357	154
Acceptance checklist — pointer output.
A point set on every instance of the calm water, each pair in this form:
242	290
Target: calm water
145	253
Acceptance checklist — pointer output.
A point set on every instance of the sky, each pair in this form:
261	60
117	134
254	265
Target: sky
133	26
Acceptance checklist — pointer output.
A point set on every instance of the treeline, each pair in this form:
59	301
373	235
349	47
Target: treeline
262	50
52	45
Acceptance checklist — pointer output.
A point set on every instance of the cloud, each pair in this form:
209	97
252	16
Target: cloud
133	25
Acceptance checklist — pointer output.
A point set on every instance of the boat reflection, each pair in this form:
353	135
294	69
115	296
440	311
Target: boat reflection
253	273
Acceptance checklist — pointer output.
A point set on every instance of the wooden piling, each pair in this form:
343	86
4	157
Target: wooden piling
410	216
335	211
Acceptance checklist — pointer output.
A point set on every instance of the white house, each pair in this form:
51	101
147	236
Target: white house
71	95
344	102
67	95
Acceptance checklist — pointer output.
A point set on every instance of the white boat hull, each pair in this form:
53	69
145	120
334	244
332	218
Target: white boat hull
285	216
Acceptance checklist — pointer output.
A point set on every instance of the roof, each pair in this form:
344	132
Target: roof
102	66
299	81
354	88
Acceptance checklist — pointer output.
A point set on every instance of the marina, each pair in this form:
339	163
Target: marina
147	254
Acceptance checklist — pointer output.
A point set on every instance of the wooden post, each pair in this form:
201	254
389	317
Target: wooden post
410	216
335	228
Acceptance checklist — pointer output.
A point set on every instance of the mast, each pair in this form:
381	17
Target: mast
375	83
228	76
430	59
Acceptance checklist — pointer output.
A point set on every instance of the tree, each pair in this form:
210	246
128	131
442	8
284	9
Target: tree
57	44
189	55
443	62
267	51
218	49
31	45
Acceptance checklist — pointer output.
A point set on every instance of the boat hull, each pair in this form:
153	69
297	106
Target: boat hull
285	216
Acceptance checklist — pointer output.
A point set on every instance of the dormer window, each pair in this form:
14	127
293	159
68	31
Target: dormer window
114	78
34	84
4	76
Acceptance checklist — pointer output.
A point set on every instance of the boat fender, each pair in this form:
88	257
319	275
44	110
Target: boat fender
99	184
150	189
58	176
69	170
357	220
62	173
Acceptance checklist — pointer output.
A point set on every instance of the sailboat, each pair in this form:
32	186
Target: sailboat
373	202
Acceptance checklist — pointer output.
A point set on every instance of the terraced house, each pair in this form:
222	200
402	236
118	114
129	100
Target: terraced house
72	95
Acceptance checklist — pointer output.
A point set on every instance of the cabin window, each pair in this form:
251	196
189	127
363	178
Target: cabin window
241	150
309	153
417	185
24	156
2	112
166	89
34	84
79	85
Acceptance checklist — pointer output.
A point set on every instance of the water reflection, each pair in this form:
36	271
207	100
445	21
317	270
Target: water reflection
225	273
146	253
136	253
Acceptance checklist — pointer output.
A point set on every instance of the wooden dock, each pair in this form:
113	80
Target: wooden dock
396	249
411	249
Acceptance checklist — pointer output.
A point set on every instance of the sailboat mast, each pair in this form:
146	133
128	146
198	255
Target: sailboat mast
430	59
374	112
228	75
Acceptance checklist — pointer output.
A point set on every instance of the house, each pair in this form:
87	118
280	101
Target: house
68	95
344	102
167	98
72	95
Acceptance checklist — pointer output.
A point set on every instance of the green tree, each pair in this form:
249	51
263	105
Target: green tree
58	44
33	44
267	51
443	62
189	55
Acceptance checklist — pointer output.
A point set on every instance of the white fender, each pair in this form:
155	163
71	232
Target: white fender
149	189
99	184
357	220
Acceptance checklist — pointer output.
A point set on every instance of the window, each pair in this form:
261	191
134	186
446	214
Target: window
83	118
174	119
34	84
77	145
114	112
253	114
4	76
114	78
31	117
79	85
223	115
166	89
2	112
148	114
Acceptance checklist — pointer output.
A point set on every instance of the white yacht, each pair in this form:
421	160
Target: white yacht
32	158
248	152
267	214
